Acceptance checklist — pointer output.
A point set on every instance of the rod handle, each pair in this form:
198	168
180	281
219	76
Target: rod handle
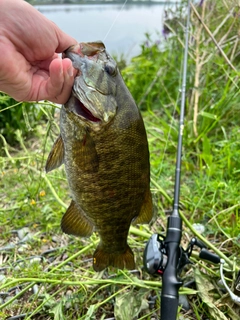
169	308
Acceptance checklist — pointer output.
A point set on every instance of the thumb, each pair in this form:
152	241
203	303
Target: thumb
64	40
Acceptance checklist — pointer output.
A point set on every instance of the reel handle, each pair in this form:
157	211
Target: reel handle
209	256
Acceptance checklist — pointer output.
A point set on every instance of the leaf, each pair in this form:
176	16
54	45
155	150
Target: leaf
58	312
208	115
90	312
204	286
207	154
206	146
130	304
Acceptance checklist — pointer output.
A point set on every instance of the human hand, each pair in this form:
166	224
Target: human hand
30	68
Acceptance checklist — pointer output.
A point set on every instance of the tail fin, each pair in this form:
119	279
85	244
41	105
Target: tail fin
102	259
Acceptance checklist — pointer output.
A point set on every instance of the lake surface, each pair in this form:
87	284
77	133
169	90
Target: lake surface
121	27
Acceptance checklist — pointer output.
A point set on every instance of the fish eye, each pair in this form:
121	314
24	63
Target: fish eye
110	69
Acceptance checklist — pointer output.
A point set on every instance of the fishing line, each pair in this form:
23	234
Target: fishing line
114	21
172	121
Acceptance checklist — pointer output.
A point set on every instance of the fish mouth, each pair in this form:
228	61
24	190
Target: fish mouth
89	49
84	112
75	54
93	94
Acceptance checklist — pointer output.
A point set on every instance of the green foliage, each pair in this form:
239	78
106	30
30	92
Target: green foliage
213	100
211	131
210	180
23	116
67	286
152	75
121	61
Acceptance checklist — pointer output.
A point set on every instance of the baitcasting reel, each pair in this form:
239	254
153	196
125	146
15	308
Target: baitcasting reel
155	255
155	259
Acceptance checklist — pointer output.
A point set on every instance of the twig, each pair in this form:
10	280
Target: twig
138	232
197	76
161	190
234	48
5	148
213	39
178	38
221	24
139	283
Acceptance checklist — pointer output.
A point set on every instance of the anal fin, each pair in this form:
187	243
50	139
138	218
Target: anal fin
146	212
75	222
56	156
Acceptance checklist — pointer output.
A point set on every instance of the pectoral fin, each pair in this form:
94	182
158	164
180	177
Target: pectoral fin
75	222
56	155
146	212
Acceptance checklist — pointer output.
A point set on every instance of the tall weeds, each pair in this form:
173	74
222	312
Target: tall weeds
154	77
48	275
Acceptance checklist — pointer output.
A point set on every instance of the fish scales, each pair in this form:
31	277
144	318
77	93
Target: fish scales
103	186
104	148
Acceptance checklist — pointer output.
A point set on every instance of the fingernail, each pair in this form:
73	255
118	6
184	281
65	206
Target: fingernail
70	71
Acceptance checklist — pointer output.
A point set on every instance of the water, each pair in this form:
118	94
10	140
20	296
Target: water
122	28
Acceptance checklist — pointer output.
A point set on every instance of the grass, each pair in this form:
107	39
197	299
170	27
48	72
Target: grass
51	276
45	274
36	201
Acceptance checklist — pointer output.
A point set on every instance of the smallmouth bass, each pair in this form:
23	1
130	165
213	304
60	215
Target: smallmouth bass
104	148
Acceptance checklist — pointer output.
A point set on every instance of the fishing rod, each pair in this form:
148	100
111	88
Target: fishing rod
163	255
171	244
